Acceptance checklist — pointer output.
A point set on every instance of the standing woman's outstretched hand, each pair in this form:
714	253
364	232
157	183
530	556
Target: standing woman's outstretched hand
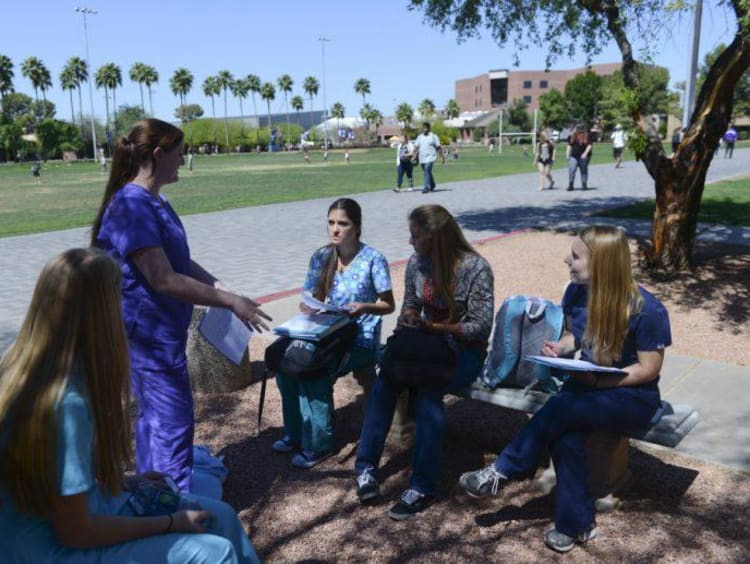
249	311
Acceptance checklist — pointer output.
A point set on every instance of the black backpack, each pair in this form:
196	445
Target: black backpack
310	359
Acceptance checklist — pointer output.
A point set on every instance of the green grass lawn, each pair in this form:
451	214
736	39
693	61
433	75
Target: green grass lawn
726	202
71	192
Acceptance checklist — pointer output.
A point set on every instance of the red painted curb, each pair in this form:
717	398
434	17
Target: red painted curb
286	293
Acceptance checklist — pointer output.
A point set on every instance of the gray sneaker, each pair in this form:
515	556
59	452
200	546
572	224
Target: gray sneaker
367	486
563	543
482	483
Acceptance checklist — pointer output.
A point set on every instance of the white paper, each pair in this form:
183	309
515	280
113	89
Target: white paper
573	365
226	332
313	303
304	323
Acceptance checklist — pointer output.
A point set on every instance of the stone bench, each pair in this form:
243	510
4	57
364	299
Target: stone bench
607	453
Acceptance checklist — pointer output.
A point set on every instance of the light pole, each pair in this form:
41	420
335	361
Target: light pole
687	110
323	40
86	11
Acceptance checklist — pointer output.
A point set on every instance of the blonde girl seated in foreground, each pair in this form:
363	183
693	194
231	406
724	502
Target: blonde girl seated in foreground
65	437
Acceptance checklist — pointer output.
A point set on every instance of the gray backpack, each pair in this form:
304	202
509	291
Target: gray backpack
522	325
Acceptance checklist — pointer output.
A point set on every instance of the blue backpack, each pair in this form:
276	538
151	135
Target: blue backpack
522	325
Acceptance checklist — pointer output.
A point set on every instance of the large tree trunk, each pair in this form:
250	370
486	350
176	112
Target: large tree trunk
679	180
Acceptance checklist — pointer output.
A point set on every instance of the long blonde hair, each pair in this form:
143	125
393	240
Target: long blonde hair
448	246
74	324
613	294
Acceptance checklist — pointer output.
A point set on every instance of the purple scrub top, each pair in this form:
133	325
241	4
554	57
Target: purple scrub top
135	220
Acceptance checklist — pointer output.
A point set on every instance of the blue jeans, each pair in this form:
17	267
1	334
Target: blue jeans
405	167
582	164
307	405
563	425
429	417
429	180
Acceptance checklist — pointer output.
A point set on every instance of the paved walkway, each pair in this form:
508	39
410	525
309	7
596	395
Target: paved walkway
265	249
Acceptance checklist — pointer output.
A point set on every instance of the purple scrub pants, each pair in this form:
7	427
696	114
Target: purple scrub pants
165	422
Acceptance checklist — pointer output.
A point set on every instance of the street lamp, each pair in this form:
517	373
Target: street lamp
84	12
323	40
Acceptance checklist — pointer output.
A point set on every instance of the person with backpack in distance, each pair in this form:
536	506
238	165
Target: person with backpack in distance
614	322
404	166
137	227
350	274
65	441
448	298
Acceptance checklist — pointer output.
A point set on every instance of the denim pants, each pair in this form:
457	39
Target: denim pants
405	167
307	405
563	425
429	180
582	164
429	417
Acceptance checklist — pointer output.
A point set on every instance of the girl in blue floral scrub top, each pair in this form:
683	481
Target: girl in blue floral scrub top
350	274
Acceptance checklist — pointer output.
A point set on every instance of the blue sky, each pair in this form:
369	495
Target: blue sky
404	59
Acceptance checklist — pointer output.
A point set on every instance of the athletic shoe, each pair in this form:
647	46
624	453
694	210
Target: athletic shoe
367	486
584	187
397	189
284	444
552	185
482	483
569	188
425	190
541	188
563	543
308	458
410	189
411	503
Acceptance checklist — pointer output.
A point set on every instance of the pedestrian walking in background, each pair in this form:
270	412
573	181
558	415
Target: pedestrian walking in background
578	153
428	147
544	157
730	138
619	137
404	166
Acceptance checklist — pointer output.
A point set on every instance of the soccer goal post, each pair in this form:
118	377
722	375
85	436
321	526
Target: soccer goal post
516	134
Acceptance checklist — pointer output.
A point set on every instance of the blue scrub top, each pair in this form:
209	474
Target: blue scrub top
648	330
135	220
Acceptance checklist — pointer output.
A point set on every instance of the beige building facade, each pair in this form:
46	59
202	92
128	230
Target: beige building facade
498	88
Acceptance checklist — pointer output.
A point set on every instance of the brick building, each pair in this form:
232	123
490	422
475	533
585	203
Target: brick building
497	88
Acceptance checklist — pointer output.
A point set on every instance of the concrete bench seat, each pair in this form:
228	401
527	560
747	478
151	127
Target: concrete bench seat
671	423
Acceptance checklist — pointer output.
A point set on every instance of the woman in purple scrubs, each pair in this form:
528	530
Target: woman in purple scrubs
160	283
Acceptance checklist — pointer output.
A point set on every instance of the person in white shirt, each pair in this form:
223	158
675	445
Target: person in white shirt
618	144
428	145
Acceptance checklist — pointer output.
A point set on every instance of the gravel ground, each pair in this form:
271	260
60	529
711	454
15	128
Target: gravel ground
675	510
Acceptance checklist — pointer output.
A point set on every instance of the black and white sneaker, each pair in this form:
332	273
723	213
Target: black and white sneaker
367	486
563	543
482	483
411	503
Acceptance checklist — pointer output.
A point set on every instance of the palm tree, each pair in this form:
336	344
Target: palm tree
68	82
79	71
268	93
338	111
285	83
6	76
224	80
426	109
109	77
211	88
405	114
136	74
365	113
377	120
311	86
253	85
240	90
452	109
150	76
33	69
362	87
298	104
181	83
